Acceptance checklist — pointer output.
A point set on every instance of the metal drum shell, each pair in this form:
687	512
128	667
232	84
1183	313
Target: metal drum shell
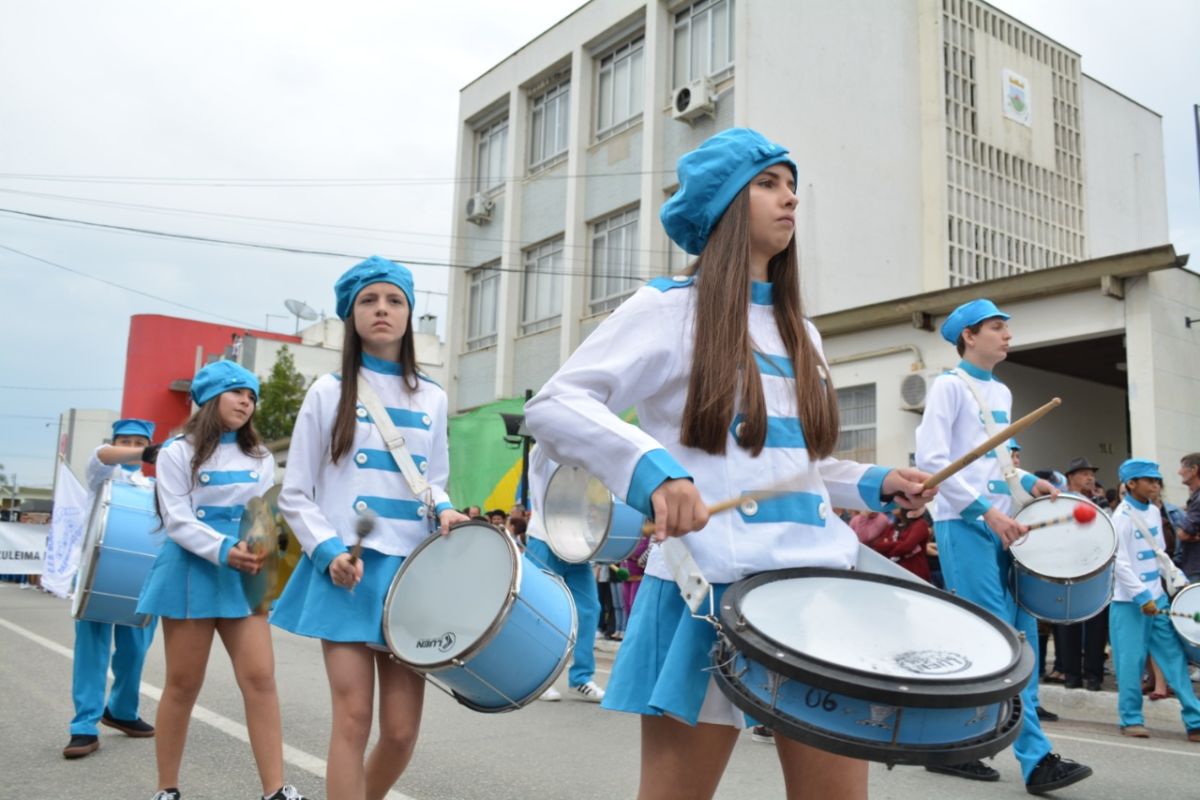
117	553
1187	601
622	524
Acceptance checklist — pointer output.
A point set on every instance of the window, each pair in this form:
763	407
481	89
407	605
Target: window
548	128
616	273
481	306
856	409
703	40
619	87
490	145
542	308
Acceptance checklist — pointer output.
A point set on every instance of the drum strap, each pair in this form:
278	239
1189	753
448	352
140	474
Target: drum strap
1173	578
394	441
686	572
1021	498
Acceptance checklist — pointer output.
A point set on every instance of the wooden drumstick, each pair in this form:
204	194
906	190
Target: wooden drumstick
785	487
1193	617
1000	438
1082	513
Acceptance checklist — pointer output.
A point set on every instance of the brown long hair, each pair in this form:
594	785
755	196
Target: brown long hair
203	429
725	375
343	424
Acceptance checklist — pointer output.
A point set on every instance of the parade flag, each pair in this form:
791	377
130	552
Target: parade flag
67	525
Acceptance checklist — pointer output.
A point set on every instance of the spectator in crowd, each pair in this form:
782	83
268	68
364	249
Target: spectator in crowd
1188	528
498	518
608	615
1082	643
903	541
474	512
935	563
870	525
518	511
516	529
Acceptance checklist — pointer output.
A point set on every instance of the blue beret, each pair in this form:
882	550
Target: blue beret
133	427
222	376
710	177
969	314
1014	445
375	269
1138	468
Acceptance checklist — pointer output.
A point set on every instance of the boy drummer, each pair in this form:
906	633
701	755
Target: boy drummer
98	643
972	510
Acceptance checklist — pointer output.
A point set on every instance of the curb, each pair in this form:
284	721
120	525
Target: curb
1082	705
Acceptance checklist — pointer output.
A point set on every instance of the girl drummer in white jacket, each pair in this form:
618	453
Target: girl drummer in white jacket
733	395
339	471
205	478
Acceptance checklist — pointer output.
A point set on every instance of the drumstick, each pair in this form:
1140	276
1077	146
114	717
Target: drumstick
1082	514
1001	437
362	526
1193	617
783	487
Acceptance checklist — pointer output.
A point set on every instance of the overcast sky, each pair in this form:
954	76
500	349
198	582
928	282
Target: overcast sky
221	108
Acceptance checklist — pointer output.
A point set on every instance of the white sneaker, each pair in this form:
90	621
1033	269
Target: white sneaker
551	695
587	691
1194	674
762	734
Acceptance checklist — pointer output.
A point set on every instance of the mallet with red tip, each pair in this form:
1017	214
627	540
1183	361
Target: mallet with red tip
1082	513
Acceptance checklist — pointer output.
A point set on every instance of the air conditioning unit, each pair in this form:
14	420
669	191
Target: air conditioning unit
479	208
694	100
914	388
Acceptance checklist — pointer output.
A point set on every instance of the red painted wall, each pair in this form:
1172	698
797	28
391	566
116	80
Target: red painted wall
163	349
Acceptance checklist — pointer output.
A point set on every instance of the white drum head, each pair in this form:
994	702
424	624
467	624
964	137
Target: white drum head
577	512
1187	602
877	627
450	593
1067	549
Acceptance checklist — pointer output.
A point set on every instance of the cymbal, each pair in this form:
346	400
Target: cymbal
258	530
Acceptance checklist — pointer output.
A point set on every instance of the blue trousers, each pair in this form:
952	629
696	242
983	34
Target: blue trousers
582	583
978	569
94	649
1133	635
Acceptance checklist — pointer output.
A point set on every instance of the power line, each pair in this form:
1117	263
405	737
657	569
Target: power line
122	286
64	388
147	180
300	250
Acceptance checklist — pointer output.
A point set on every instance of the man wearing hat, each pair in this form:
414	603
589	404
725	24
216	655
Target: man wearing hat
972	513
99	643
1137	624
1083	643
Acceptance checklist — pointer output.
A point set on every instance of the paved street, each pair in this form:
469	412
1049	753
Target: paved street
548	750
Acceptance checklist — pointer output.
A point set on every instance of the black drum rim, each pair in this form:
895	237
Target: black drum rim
918	692
839	744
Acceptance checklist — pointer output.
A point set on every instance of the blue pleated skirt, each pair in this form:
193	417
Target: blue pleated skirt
664	665
311	605
182	585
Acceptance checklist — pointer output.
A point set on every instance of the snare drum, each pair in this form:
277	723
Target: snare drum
584	521
1187	601
1064	572
479	619
871	666
118	551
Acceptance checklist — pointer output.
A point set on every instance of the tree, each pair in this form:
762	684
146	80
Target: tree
282	394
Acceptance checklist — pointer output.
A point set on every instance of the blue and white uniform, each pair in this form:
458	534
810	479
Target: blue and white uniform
321	501
579	578
642	356
96	643
975	566
191	578
1132	633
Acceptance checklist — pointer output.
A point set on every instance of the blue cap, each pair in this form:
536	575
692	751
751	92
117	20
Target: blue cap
1014	446
133	427
222	376
375	269
1138	468
969	314
710	177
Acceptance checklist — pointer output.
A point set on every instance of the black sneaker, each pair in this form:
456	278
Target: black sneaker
137	728
1092	684
1055	772
1073	682
167	794
81	744
286	792
971	770
1046	716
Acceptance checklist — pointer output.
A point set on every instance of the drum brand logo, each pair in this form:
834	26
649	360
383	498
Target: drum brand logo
933	662
443	643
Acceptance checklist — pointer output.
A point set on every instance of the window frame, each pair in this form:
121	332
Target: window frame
534	261
558	92
626	52
626	222
685	17
487	132
859	454
479	281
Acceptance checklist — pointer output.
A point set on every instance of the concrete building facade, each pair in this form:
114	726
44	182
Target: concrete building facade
942	146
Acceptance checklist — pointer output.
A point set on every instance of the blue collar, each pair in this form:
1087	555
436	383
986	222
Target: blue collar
974	371
381	365
761	294
1133	501
130	467
229	437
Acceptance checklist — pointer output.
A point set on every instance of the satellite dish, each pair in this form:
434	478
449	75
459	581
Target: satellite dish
301	310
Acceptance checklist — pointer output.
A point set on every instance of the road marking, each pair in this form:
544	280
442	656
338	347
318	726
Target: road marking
1126	745
294	756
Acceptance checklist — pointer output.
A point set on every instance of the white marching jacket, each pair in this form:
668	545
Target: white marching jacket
1138	579
97	472
322	501
193	511
641	356
951	427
